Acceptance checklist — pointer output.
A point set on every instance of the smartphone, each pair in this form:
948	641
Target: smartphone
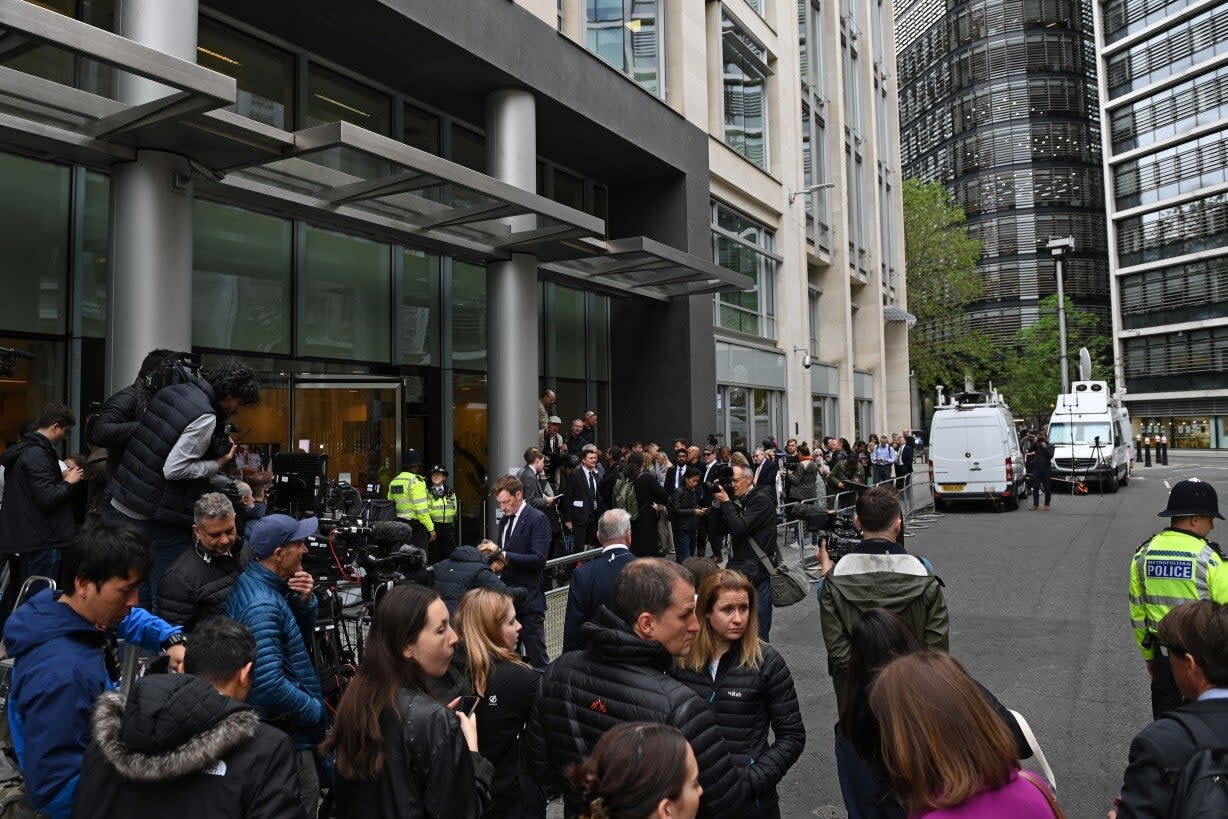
468	704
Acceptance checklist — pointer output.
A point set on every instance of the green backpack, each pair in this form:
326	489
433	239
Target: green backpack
624	497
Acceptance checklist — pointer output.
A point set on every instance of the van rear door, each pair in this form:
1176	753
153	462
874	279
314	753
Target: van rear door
967	452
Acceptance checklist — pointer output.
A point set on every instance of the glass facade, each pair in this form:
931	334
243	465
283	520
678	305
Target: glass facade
744	98
629	35
998	102
747	415
739	243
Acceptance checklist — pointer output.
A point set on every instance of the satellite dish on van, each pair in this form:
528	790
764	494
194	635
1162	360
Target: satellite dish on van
1085	364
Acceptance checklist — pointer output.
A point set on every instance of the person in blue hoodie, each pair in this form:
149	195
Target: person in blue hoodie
65	652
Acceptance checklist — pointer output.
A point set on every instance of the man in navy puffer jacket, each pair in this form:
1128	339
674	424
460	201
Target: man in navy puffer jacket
273	598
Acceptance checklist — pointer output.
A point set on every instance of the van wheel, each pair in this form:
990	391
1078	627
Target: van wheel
1110	485
1012	503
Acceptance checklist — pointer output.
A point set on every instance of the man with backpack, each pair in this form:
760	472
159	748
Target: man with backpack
1174	768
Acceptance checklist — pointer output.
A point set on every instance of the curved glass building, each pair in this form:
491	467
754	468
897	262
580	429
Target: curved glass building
998	102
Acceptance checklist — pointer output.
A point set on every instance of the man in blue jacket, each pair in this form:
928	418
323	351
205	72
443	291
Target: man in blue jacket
592	585
65	654
524	537
273	597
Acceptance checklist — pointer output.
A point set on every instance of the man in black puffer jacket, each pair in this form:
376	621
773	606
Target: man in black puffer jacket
751	515
184	745
622	677
466	569
197	585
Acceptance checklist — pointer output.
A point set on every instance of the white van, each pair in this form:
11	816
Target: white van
974	451
1090	433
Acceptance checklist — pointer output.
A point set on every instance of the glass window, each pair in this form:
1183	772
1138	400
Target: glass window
599	324
353	424
567	189
738	244
422	130
332	97
565	332
744	102
34	244
628	35
470	437
343	296
468	316
418	318
93	255
34	383
264	74
468	148
813	305
240	279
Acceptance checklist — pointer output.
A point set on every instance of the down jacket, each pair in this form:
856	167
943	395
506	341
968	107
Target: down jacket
621	678
746	702
179	748
37	510
285	686
466	569
194	589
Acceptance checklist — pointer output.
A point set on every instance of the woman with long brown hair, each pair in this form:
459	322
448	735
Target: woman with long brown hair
747	684
400	752
507	686
947	751
639	770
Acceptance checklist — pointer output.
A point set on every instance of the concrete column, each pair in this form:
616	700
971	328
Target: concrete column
511	292
149	297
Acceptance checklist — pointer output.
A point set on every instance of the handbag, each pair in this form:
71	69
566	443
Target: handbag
787	582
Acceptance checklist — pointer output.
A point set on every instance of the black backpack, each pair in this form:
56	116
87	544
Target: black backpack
1201	788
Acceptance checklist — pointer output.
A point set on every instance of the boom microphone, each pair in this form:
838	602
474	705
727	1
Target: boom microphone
391	534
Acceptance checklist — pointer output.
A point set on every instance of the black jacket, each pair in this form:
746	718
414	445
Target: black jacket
746	702
502	714
428	768
194	589
466	569
37	512
576	488
754	515
1157	756
117	419
623	678
682	506
644	527
179	748
591	587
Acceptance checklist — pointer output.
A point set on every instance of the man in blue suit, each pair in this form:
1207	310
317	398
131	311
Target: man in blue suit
524	537
592	585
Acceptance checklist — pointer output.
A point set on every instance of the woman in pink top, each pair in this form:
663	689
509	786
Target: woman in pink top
948	753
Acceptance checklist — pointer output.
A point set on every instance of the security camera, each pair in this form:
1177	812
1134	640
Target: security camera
807	361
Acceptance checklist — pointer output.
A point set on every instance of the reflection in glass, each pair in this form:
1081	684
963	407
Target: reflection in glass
752	312
468	148
468	316
627	35
332	97
35	383
421	129
240	279
33	244
418	316
354	425
565	333
469	424
739	426
92	258
744	101
264	74
343	296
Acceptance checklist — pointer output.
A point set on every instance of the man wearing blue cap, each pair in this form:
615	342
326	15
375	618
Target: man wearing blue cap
273	598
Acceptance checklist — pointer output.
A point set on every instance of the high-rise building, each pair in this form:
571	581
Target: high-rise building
1164	101
998	103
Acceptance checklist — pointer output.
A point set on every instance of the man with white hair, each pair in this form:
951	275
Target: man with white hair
592	585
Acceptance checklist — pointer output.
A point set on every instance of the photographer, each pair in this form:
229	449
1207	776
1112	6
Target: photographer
750	514
175	448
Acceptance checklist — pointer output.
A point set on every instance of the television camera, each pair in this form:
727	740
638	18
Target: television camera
377	555
840	536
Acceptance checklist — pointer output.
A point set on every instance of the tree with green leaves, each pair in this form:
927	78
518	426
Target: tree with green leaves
1031	374
943	280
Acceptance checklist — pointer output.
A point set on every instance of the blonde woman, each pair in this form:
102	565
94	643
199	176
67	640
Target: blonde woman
506	685
748	685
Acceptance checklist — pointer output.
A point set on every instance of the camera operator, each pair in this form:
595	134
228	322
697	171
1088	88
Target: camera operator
197	585
174	449
750	514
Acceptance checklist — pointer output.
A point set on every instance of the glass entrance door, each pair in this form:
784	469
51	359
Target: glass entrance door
355	424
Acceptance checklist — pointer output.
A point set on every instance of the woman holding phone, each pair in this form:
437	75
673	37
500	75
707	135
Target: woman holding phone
400	752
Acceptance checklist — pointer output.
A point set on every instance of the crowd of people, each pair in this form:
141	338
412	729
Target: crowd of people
668	699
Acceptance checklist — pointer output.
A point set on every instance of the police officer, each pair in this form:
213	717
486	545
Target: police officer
1175	566
442	504
408	491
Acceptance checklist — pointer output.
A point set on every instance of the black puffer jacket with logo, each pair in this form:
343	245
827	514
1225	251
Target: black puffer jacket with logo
623	678
747	702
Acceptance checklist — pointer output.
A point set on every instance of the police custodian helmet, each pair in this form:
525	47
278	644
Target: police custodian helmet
1192	497
438	468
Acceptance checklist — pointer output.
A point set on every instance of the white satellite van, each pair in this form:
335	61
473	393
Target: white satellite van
974	451
1090	433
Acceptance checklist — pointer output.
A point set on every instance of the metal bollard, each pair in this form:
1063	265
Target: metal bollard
1146	455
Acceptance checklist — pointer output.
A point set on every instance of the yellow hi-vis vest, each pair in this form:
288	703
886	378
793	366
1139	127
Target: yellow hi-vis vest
1172	568
443	507
409	493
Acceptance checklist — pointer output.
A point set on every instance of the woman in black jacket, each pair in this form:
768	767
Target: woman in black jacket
748	685
650	497
400	753
687	508
507	686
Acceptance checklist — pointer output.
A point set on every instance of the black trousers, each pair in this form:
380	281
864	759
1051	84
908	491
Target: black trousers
1042	481
1165	696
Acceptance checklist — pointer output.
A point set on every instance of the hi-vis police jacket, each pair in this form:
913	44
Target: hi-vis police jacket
1172	568
442	507
409	493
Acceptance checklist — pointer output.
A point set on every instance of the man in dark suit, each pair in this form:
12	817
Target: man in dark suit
674	475
581	502
766	466
592	585
524	537
1195	637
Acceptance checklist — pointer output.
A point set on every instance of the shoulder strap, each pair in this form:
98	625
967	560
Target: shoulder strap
1058	813
767	564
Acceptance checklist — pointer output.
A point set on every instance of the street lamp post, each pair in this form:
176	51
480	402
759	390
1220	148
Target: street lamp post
1059	248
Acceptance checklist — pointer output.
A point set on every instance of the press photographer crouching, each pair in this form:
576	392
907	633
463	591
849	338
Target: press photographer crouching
750	518
197	585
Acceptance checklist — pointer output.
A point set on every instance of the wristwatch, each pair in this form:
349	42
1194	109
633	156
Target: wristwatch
176	639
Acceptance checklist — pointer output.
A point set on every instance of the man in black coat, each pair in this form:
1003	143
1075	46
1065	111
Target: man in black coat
1195	635
197	585
36	517
184	745
623	677
751	514
524	537
592	585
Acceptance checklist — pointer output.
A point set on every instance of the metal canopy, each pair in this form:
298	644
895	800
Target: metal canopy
347	169
640	266
893	312
122	90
